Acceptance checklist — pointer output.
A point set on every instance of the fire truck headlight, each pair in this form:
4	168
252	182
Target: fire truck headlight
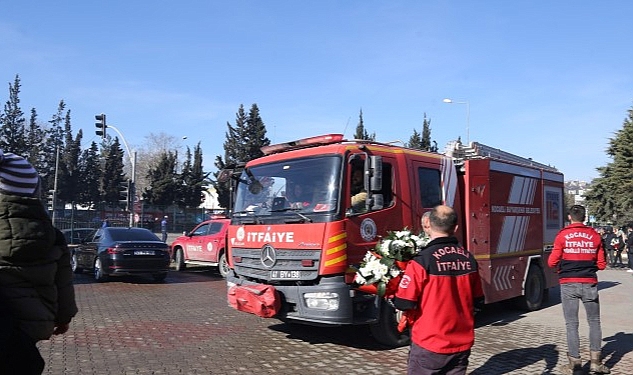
322	300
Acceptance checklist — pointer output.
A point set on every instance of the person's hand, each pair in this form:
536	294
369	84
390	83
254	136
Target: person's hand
61	329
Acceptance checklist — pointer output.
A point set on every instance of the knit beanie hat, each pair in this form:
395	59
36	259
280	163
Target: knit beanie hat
17	176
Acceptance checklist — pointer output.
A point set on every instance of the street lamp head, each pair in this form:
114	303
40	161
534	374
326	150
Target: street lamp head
447	100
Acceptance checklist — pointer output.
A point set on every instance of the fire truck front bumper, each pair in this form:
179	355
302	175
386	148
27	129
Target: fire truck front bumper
327	303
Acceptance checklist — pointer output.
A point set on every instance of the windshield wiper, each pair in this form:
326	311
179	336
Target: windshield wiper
294	211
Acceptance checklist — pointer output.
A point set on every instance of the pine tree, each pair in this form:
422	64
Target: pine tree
35	142
255	134
12	129
609	198
163	181
68	178
425	143
192	179
89	192
54	142
243	143
415	141
361	133
113	175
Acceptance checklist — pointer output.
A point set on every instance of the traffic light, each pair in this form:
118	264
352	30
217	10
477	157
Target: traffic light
124	193
101	125
50	200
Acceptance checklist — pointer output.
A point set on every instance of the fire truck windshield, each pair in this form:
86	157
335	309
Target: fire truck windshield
306	186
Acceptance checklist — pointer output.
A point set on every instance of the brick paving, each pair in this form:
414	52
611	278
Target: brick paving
184	326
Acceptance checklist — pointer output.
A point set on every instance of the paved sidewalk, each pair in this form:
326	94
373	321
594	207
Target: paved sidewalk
535	342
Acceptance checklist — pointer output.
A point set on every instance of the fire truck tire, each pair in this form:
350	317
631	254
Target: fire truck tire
223	265
385	331
179	259
534	295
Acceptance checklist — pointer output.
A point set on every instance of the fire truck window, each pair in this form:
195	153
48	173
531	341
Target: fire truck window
430	187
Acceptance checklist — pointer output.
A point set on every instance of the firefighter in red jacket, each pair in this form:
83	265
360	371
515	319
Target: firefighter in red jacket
442	284
578	255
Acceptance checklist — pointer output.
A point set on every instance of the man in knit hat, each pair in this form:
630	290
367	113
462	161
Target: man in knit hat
37	298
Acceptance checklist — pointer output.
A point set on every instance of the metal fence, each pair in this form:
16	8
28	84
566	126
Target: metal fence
178	219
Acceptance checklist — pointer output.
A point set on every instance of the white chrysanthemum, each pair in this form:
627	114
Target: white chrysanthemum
383	249
377	269
398	245
401	233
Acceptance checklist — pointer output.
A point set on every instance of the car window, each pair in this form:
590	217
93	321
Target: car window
216	228
134	234
201	230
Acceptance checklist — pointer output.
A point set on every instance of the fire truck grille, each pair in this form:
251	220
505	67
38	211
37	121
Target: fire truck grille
287	265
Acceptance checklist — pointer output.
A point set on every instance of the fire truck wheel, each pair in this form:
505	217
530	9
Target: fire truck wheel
180	260
534	290
385	331
223	265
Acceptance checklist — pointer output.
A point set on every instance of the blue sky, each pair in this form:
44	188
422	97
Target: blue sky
550	80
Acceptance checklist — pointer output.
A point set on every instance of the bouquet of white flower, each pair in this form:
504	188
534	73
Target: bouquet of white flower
382	267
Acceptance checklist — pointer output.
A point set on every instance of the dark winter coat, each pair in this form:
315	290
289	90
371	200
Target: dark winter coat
35	274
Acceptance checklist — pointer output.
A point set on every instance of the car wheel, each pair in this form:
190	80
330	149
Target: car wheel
74	264
180	260
98	271
160	277
223	265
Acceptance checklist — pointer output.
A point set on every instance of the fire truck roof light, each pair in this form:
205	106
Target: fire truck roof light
301	143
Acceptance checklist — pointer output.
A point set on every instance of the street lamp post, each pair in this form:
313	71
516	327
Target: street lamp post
451	101
132	156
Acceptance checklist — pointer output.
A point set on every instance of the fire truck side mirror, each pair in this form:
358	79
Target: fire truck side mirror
375	181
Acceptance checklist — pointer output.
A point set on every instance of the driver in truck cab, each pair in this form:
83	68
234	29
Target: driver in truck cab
299	196
359	194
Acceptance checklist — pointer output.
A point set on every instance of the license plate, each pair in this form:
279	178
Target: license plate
144	252
284	274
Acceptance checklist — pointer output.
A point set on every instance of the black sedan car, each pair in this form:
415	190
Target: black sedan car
121	251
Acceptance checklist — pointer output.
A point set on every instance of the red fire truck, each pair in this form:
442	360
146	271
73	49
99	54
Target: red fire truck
305	248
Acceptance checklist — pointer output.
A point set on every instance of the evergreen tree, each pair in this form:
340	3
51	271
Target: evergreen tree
89	192
113	175
243	143
425	143
192	179
35	142
609	198
361	132
69	175
255	134
163	181
12	129
415	141
54	143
